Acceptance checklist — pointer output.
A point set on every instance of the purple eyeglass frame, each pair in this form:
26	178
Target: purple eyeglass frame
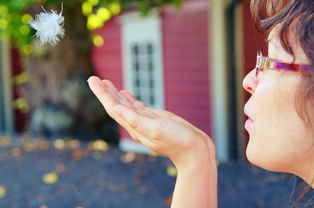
273	64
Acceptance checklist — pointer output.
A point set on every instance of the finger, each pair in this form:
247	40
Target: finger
107	98
123	100
170	115
144	125
145	111
104	97
109	84
132	98
164	113
134	134
112	89
138	137
140	106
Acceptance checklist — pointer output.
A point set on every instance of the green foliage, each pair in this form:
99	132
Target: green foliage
11	21
14	17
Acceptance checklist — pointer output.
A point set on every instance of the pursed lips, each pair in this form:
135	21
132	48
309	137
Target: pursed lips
247	114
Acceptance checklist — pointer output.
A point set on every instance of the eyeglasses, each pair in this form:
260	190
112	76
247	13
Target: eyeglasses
264	62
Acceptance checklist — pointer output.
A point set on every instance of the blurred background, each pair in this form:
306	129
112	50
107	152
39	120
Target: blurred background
59	148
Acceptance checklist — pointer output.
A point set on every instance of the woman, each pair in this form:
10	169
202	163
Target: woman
280	110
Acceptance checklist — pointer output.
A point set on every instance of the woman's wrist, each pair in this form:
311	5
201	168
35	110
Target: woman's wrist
197	179
203	156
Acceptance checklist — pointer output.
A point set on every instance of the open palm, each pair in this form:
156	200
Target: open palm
159	130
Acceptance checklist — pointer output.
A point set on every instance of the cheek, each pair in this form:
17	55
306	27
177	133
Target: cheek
277	128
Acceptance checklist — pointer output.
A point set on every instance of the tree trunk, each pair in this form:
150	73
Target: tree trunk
60	99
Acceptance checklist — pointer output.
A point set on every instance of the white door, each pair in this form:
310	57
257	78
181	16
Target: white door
142	58
142	64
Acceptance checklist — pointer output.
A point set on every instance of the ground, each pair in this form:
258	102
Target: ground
67	173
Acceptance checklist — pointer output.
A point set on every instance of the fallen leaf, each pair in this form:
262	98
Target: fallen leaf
29	146
171	170
61	168
3	191
16	152
100	145
97	155
43	145
5	141
139	158
128	157
168	201
77	154
73	144
59	144
50	178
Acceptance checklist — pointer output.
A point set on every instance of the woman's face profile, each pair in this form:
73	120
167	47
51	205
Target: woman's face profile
279	140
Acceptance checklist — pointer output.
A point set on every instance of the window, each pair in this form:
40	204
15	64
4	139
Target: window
142	58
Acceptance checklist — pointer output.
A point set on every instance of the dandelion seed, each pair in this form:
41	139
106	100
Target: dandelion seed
49	26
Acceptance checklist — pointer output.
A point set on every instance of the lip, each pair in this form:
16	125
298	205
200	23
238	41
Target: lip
248	122
247	114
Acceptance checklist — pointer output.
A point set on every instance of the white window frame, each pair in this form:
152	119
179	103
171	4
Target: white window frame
137	28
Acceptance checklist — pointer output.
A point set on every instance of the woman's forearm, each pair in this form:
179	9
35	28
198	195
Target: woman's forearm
196	185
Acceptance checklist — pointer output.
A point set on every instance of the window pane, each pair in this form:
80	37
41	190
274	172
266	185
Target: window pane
151	83
136	66
143	71
149	48
137	83
135	49
152	100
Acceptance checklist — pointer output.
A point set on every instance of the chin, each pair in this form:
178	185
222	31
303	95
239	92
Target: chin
252	156
260	158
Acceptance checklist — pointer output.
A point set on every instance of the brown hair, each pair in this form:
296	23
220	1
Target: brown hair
295	17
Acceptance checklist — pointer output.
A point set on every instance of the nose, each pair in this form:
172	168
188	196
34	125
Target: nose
249	82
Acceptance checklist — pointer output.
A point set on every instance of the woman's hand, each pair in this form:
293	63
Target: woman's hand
159	130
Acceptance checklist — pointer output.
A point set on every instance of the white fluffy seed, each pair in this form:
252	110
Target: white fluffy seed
49	27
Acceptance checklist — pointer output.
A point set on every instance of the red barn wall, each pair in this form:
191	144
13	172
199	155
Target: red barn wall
107	59
253	41
185	47
185	56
